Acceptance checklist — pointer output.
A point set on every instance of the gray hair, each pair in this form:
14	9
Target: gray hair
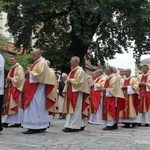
37	51
111	69
99	71
64	75
76	58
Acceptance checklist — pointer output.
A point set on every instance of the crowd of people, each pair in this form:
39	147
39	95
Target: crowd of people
120	98
107	98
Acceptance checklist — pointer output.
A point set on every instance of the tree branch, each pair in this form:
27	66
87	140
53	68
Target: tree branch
55	15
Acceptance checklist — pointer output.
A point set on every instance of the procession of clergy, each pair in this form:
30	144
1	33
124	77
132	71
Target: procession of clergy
107	98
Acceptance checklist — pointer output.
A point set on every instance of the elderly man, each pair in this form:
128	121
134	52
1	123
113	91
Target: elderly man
96	99
38	96
111	93
14	87
77	98
144	96
130	89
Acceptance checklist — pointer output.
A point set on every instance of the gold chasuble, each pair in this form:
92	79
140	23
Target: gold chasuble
132	101
144	93
40	71
14	89
80	84
54	94
109	102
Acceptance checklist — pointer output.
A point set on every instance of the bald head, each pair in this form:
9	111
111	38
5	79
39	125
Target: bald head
127	72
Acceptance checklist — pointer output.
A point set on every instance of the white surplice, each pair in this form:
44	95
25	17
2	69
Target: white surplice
75	121
35	116
14	118
97	117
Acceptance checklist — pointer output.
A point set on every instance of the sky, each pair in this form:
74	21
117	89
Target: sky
125	60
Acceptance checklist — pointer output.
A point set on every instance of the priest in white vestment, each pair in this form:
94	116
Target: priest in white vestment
38	97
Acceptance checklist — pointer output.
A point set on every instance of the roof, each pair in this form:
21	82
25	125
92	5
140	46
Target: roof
145	60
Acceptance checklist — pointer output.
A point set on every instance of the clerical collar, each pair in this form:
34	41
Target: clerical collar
145	74
127	78
17	64
99	77
109	76
75	68
38	59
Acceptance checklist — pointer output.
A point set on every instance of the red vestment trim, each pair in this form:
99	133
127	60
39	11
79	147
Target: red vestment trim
95	99
29	90
49	102
126	110
84	104
135	101
11	90
109	106
144	96
72	97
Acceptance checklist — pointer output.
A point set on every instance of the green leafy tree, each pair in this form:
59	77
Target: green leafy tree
3	42
66	27
2	4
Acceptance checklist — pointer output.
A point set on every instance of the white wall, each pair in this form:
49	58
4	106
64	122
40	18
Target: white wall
3	28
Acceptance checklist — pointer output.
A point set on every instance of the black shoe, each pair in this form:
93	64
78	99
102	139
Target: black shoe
127	125
139	124
5	125
1	128
30	131
82	129
134	125
115	126
70	130
108	128
16	125
65	129
42	130
146	125
63	117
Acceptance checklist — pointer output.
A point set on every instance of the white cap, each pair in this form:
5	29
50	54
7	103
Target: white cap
64	75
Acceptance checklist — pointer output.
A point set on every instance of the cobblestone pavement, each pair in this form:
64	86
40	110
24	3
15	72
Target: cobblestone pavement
92	138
